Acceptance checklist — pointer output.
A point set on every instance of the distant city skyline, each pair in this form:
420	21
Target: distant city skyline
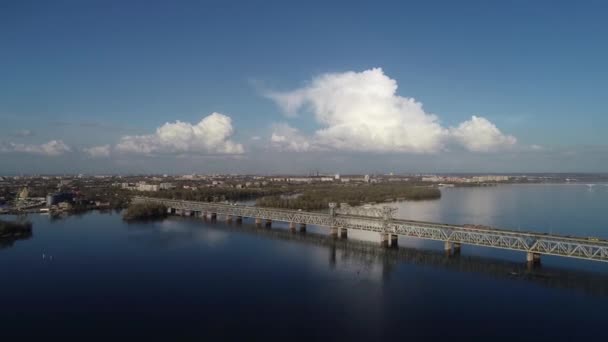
271	88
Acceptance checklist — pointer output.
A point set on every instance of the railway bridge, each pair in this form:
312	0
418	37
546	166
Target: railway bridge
341	219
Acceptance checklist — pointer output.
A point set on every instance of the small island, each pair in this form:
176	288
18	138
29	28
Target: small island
13	231
144	211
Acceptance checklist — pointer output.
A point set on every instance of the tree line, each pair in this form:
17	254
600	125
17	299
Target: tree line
318	198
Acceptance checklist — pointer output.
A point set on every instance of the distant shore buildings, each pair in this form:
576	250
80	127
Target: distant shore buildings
473	179
58	198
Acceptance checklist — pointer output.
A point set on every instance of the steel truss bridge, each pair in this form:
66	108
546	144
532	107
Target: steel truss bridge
339	221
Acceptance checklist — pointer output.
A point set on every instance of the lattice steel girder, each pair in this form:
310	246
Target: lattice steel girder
575	247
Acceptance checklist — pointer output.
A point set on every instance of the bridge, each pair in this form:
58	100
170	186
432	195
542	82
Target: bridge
380	220
345	251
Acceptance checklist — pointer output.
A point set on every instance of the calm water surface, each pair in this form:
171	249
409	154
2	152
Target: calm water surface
96	277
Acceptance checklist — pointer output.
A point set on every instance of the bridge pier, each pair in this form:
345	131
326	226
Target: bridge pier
393	241
239	219
187	212
342	233
258	221
229	218
333	232
447	247
456	248
169	210
302	227
213	216
268	223
384	237
533	258
292	227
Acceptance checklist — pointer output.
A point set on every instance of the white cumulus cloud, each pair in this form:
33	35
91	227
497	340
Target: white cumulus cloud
480	135
51	148
361	111
98	151
285	137
210	136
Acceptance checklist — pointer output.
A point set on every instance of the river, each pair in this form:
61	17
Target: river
95	276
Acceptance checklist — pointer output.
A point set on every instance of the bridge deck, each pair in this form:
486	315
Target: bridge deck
530	242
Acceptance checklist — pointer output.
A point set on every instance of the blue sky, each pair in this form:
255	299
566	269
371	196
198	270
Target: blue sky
88	74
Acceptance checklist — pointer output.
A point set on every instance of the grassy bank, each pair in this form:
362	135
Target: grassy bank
319	197
143	211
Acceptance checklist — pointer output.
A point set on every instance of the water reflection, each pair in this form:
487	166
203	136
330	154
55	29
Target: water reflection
173	233
9	241
364	260
59	216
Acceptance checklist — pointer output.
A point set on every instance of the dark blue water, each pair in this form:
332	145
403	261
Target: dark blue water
96	277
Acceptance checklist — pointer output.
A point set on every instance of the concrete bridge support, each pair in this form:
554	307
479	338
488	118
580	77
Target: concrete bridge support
170	210
292	227
533	258
342	233
393	241
213	216
447	247
456	248
333	232
268	223
258	221
384	238
302	227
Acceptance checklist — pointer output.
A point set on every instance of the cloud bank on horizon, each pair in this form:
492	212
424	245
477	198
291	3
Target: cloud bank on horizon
52	148
98	151
210	136
361	111
356	111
